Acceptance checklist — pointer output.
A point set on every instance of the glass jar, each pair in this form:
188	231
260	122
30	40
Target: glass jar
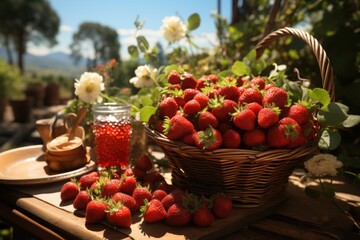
112	131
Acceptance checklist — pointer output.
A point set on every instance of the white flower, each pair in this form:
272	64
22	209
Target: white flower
89	86
323	164
173	29
145	76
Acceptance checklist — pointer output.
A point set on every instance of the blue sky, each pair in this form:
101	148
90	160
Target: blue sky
120	15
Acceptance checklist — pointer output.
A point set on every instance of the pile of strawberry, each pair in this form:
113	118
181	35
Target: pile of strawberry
108	196
214	112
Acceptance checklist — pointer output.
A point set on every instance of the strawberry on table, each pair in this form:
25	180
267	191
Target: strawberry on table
176	196
119	215
82	200
202	217
69	190
95	211
178	215
88	179
222	206
128	184
140	194
153	211
127	200
158	194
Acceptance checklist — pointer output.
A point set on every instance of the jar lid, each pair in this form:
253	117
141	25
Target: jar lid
110	107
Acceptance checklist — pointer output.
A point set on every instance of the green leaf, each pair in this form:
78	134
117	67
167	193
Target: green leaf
332	115
330	139
143	44
343	107
146	112
311	192
320	95
240	69
146	101
150	58
133	51
193	22
351	121
224	73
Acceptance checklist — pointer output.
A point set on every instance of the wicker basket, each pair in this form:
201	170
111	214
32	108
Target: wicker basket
251	178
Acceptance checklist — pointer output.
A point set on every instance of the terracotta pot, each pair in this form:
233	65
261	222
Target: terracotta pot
22	110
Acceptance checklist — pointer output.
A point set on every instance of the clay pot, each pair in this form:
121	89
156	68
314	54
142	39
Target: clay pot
22	110
36	92
52	94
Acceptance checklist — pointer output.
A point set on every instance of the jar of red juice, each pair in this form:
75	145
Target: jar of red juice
112	130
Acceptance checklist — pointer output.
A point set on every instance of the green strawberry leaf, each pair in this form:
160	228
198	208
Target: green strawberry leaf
311	192
320	95
343	107
193	21
224	74
240	69
351	121
146	101
332	115
330	139
133	51
142	43
146	112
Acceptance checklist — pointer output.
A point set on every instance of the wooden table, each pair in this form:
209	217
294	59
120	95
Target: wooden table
297	217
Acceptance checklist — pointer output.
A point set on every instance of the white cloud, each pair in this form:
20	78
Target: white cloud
65	28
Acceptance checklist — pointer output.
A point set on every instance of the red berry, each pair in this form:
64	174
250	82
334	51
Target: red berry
174	77
154	211
275	95
95	211
203	217
168	107
177	215
253	138
82	200
192	107
257	82
207	119
245	120
222	206
69	191
188	81
251	95
267	117
231	139
299	113
144	163
127	200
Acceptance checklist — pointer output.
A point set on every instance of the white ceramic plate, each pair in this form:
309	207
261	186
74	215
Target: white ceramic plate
27	166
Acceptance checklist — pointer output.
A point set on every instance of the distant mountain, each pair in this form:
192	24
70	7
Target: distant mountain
57	63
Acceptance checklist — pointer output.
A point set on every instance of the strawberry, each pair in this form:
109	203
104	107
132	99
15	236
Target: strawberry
168	188
192	107
177	215
95	211
299	113
119	215
231	139
244	119
206	80
253	138
127	200
127	172
222	206
250	95
257	82
240	90
240	81
224	126
140	194
87	180
158	194
268	117
176	196
207	119
82	200
286	131
222	108
180	100
300	140
268	86
188	81
139	174
177	127
168	107
202	99
275	95
174	77
255	107
144	163
209	139
309	130
110	188
229	91
188	139
203	217
153	177
69	190
189	94
127	185
153	211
